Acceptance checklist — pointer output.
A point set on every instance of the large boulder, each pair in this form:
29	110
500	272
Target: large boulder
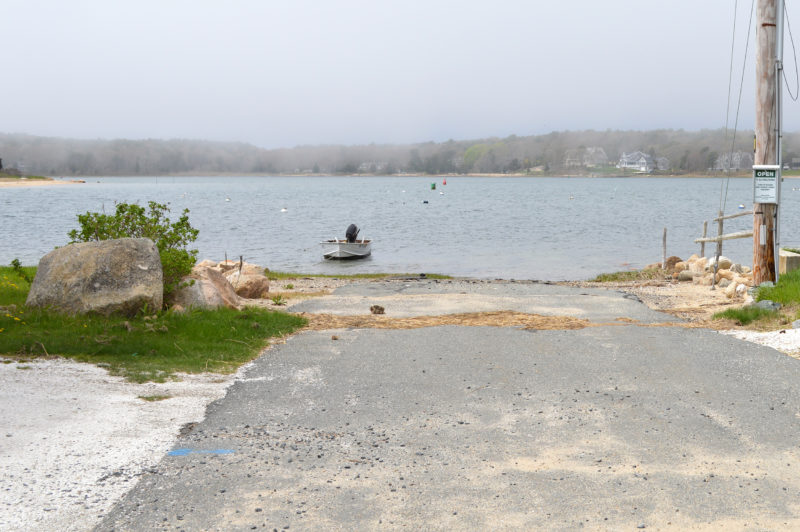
120	276
248	285
205	288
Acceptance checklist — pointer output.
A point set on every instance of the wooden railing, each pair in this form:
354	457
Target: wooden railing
720	236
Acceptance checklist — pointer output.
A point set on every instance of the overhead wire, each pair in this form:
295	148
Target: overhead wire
723	202
730	84
794	52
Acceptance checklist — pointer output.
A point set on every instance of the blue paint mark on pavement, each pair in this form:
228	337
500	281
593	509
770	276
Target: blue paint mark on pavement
184	452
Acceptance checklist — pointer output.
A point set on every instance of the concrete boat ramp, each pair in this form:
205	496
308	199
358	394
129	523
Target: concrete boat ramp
625	422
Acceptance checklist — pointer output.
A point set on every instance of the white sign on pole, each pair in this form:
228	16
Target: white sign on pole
765	183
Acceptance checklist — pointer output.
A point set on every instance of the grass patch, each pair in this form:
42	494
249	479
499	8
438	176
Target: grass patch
153	398
276	275
146	348
632	275
747	315
786	292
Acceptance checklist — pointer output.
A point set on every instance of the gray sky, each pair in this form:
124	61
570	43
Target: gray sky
284	73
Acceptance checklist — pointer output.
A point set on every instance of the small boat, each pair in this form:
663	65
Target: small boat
348	247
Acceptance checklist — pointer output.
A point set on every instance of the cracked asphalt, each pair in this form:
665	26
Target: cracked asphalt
610	427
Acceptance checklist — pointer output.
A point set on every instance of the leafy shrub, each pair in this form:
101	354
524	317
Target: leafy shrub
132	221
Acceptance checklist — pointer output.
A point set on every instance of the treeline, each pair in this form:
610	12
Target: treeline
685	151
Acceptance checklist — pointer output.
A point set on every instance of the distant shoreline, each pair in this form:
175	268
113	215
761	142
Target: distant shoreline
15	182
20	182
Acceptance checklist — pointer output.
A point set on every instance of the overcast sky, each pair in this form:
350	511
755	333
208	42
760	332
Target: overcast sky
290	72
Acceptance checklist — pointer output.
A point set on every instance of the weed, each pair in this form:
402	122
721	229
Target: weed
153	398
746	315
278	300
289	286
19	270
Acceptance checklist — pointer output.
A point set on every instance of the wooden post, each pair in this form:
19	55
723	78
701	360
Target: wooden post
720	218
703	244
664	250
766	138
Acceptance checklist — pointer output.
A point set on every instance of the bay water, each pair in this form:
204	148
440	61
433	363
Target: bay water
483	227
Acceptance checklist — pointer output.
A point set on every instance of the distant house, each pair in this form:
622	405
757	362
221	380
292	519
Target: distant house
638	161
738	160
572	158
595	156
372	166
590	157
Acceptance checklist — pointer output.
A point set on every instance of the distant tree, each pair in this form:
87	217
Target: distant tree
316	168
415	163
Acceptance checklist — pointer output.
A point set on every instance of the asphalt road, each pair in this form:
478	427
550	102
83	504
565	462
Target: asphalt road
440	428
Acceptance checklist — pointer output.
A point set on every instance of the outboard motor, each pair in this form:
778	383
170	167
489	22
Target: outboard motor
352	232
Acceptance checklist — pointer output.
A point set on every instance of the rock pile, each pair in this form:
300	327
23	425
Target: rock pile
215	284
733	278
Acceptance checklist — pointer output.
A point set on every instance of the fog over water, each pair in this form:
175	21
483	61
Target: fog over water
280	74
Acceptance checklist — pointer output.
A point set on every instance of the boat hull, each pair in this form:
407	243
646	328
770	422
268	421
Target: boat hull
342	249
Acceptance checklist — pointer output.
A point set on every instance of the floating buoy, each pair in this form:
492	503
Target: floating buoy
424	201
227	199
433	186
441	193
444	181
284	209
741	205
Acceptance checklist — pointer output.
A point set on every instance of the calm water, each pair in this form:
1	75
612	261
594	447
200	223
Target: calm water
522	228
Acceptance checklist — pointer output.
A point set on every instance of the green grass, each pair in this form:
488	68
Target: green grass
276	275
154	398
146	348
786	292
746	315
632	275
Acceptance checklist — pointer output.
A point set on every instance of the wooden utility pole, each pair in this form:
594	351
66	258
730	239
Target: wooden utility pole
766	128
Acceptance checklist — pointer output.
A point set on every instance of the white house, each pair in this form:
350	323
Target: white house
641	162
738	160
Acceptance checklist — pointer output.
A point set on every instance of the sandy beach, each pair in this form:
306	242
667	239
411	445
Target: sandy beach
76	439
10	182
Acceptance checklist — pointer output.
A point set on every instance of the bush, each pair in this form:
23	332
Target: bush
132	221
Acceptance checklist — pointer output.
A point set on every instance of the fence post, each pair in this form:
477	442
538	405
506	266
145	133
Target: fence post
664	250
719	251
703	244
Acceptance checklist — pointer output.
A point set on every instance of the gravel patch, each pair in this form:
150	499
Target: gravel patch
75	439
786	340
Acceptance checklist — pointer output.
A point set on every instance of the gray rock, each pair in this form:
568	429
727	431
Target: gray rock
107	277
685	275
766	304
796	324
723	283
205	288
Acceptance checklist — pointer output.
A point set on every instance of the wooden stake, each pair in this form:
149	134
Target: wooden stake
702	243
664	250
766	138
